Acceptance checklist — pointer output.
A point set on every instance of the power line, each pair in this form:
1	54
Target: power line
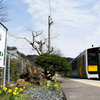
15	36
21	38
24	48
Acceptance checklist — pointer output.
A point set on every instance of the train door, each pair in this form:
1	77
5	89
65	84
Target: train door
71	70
99	63
83	66
80	69
93	63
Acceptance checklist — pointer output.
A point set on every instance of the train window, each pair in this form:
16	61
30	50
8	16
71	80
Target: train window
74	66
83	63
92	58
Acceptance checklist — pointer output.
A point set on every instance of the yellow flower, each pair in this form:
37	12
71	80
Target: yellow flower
47	84
17	93
14	93
55	80
20	89
9	91
1	86
55	85
23	87
53	77
16	88
0	92
5	89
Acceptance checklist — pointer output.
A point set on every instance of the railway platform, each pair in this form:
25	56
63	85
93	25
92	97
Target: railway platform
80	89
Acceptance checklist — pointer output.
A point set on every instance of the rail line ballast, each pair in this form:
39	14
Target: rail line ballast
86	64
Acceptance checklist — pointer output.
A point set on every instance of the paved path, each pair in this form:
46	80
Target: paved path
80	89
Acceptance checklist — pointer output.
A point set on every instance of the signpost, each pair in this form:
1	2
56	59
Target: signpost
3	49
2	46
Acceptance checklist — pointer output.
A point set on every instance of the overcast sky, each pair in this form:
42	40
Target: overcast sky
76	24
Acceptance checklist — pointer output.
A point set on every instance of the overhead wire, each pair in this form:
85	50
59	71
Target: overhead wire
15	36
18	38
24	48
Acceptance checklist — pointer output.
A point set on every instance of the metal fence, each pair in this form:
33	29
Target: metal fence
15	66
1	75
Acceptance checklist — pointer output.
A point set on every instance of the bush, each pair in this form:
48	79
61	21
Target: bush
51	63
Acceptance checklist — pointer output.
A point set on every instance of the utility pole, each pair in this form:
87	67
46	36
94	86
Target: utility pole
49	42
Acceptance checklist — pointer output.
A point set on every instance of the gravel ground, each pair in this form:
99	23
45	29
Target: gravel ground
42	93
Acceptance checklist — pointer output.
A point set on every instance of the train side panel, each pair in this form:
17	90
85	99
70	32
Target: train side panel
75	69
78	66
83	65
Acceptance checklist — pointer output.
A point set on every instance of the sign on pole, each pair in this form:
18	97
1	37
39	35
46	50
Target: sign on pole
2	47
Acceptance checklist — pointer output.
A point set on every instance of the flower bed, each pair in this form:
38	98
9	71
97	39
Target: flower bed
47	90
12	94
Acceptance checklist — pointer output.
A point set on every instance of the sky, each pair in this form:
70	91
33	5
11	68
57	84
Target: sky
76	24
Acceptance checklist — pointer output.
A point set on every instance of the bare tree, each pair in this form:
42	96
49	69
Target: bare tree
38	45
3	12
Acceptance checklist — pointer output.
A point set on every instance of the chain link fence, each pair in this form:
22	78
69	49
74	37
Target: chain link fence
14	68
1	75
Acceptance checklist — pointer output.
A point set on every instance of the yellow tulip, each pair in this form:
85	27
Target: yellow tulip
17	93
20	89
55	80
5	89
16	88
47	84
1	86
9	91
53	77
14	93
23	87
0	92
55	85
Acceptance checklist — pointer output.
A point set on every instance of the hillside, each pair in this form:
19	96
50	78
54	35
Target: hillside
68	59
